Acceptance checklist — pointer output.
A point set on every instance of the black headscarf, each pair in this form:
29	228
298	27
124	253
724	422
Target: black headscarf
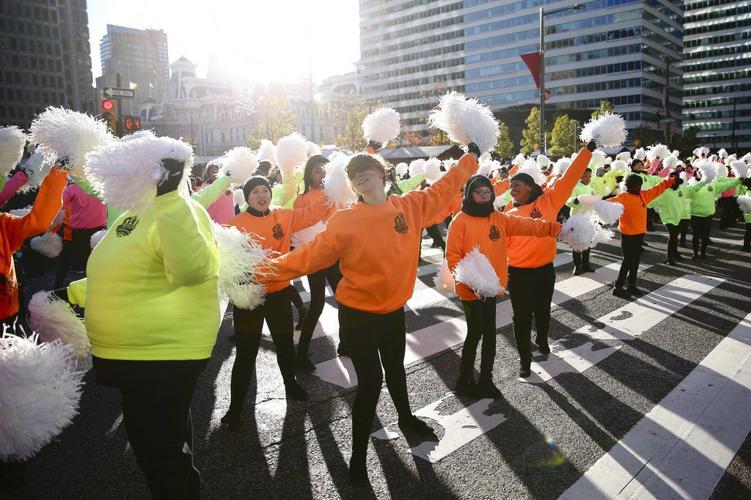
254	181
469	206
527	179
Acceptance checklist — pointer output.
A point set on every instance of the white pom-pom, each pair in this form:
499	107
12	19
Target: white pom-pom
530	168
670	162
12	142
722	153
313	149
608	160
240	259
49	244
291	153
676	153
381	126
246	296
620	166
708	171
602	235
241	163
588	200
267	151
745	203
624	156
126	173
746	158
640	154
543	161
519	159
465	121
597	160
443	279
656	151
608	212
308	234
729	160
40	392
97	237
722	171
561	166
335	184
608	130
40	165
20	212
740	168
53	318
63	132
416	167
476	271
449	163
401	169
238	197
578	232
432	168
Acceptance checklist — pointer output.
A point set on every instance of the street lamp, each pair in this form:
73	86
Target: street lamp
544	13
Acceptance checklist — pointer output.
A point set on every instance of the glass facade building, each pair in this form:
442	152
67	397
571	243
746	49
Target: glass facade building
623	51
717	72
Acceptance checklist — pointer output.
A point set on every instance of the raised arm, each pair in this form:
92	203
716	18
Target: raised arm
408	185
655	191
307	216
319	254
527	226
208	195
563	187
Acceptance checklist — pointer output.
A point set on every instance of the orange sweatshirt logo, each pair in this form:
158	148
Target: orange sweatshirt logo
535	213
494	233
278	232
400	225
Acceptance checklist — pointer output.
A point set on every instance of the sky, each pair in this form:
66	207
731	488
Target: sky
252	39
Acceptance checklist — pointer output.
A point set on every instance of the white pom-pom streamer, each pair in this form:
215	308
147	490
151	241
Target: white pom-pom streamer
291	153
561	166
608	212
416	167
597	160
620	166
335	184
624	156
530	168
543	161
656	151
608	130
241	163
381	126
40	166
602	235
401	169
578	232
444	280
432	168
476	271
313	149
12	142
308	234
708	171
745	203
465	121
722	170
40	393
588	200
241	258
670	162
449	164
740	168
53	318
247	296
238	197
640	154
97	237
267	151
49	244
519	159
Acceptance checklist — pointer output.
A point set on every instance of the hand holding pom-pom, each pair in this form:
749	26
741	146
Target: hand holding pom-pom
472	148
375	145
172	177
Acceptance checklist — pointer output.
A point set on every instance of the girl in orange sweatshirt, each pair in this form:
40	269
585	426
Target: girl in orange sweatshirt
531	271
272	229
480	225
376	241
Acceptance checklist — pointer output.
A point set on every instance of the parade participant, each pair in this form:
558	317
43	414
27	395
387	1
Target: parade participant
479	225
313	195
672	206
583	187
272	228
633	225
223	209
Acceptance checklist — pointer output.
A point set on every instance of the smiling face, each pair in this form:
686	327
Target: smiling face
368	181
586	177
316	177
259	198
520	191
211	172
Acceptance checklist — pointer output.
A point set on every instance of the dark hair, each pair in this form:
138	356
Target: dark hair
312	163
364	161
264	167
254	181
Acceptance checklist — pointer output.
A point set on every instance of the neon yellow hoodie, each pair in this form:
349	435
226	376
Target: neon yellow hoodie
150	291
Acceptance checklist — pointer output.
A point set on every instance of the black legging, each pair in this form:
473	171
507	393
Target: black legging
295	299
631	247
581	259
248	326
64	262
436	235
729	211
747	237
531	291
480	324
673	232
377	347
82	247
683	227
701	227
317	284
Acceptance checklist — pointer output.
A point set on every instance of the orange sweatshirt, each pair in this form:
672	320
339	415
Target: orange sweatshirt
491	235
315	197
274	231
377	245
530	252
634	218
15	230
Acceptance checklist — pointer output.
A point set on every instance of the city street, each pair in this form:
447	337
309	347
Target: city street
644	398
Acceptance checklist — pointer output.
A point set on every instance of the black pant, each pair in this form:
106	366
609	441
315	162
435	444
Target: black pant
248	326
531	291
317	284
673	231
747	237
650	219
729	211
631	247
435	233
156	415
480	325
64	263
701	227
683	227
295	299
377	347
82	247
581	259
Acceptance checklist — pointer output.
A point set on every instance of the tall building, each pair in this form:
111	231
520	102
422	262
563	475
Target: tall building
615	50
45	58
717	72
135	56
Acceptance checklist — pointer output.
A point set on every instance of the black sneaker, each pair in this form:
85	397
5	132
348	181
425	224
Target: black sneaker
358	472
620	292
678	257
342	350
634	291
488	390
467	389
695	256
578	271
304	365
543	346
296	392
232	419
525	371
670	263
588	269
414	424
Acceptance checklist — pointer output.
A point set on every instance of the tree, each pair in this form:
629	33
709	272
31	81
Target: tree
563	140
531	134
350	118
605	106
505	146
274	120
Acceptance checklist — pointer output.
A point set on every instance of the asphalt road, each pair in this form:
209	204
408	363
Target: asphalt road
541	438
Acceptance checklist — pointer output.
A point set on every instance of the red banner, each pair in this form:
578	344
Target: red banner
532	60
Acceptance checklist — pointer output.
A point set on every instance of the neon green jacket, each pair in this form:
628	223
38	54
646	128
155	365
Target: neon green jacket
673	205
151	289
703	195
579	189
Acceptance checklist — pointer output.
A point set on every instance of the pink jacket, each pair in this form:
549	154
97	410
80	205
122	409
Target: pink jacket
223	209
12	186
86	211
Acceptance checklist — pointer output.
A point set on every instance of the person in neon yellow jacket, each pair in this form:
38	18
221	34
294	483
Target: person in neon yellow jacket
583	187
745	191
671	205
152	314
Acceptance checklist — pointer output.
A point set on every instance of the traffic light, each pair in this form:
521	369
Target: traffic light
109	114
131	124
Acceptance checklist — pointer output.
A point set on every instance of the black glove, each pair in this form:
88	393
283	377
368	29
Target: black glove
172	177
678	180
472	148
61	293
375	145
746	182
63	162
591	146
619	179
576	201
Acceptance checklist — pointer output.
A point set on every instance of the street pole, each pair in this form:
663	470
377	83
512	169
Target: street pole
733	143
542	81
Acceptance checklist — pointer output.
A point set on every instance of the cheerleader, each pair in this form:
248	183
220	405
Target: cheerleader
272	229
479	225
583	187
376	242
223	209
